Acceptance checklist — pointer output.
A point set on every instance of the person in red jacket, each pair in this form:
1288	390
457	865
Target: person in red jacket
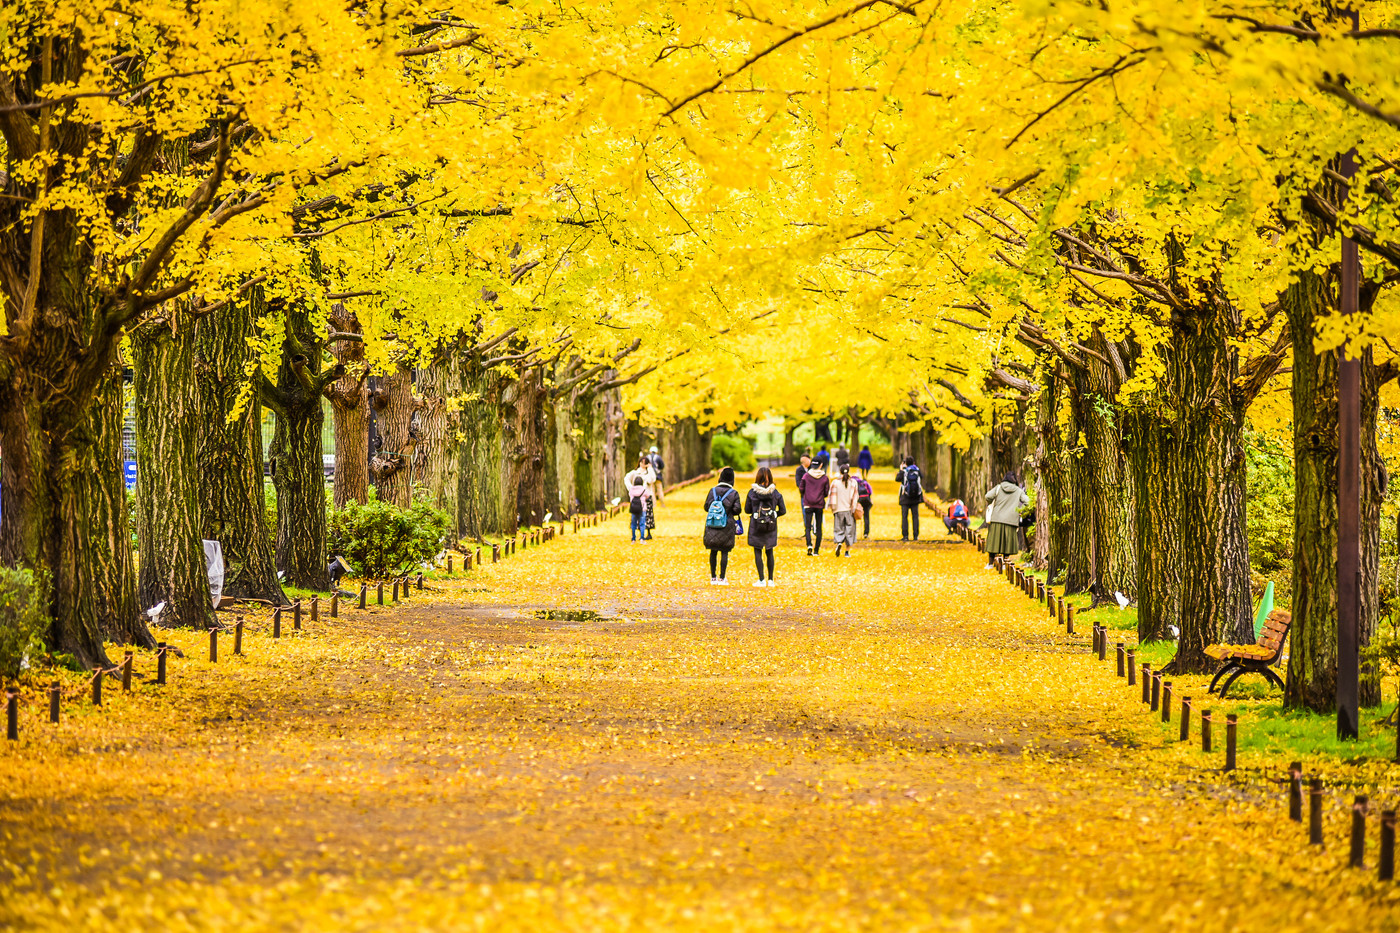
956	517
813	485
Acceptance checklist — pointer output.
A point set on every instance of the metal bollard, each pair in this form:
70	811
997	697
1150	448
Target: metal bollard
1185	719
315	609
1358	830
1387	854
277	623
1205	730
126	673
12	714
1230	727
1295	792
296	616
1166	701
213	646
1119	651
55	701
1315	812
238	636
364	588
161	651
1132	666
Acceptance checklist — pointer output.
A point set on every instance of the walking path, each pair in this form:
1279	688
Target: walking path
589	736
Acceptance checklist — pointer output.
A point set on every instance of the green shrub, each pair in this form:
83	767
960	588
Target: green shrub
736	452
23	621
381	540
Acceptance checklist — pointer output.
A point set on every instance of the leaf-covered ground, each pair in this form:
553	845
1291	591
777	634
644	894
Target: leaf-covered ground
894	740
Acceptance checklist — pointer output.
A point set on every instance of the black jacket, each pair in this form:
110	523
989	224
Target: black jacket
755	500
907	474
722	539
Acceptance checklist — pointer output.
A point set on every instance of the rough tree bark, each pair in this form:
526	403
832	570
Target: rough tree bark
531	400
1153	452
1109	483
349	398
479	485
440	388
392	467
168	521
1312	664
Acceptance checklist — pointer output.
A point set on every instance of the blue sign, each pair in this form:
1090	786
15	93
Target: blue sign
130	471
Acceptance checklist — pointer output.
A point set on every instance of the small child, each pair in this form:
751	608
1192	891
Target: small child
639	507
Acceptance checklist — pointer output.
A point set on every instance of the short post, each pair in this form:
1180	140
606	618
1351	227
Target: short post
238	636
315	609
335	605
449	564
55	701
380	594
296	616
1387	855
420	579
1295	792
395	595
1358	830
97	687
1146	682
1119	649
1231	724
1315	812
12	714
1103	642
213	645
466	560
478	557
1205	732
126	673
1166	701
495	553
1050	602
162	650
1059	610
364	588
1185	719
1069	620
277	622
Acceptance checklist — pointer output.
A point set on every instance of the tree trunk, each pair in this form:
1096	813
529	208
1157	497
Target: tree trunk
790	445
393	466
1312	665
1052	513
1154	457
1110	488
1215	597
614	421
349	398
564	443
479	480
530	404
588	449
439	458
168	521
231	454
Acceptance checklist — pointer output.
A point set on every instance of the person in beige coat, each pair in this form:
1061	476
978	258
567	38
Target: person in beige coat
842	500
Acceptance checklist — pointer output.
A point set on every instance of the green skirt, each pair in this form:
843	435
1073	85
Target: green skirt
1002	539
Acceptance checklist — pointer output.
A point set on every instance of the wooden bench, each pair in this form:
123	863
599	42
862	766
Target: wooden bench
1257	658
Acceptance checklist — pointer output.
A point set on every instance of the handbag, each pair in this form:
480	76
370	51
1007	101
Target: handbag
859	512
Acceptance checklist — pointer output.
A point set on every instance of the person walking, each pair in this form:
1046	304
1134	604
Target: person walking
843	458
865	461
813	489
764	505
803	465
911	496
845	496
866	501
638	507
647	475
659	467
1004	504
722	509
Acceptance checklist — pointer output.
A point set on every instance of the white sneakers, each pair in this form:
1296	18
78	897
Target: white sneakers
760	583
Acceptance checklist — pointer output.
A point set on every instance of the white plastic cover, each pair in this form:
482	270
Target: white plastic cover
214	562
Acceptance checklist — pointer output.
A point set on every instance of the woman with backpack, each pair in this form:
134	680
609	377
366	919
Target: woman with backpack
722	511
764	506
843	499
866	501
1003	523
639	507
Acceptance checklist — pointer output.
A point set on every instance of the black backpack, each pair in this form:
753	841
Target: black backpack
765	517
913	484
636	508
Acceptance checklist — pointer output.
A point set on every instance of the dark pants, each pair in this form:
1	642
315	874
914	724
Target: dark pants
758	553
812	521
907	514
952	523
865	505
722	556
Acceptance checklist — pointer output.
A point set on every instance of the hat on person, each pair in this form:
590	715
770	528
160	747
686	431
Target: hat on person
653	450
